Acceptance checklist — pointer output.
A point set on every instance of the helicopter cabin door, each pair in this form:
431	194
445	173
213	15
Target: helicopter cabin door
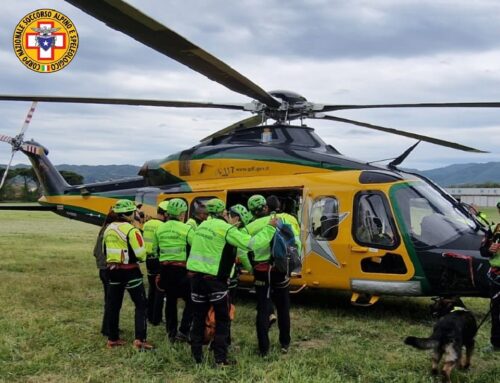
379	262
325	237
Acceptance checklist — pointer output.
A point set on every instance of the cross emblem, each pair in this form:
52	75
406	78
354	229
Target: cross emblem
45	44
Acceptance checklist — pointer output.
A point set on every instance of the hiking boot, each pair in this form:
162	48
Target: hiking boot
272	319
285	348
181	337
115	343
142	345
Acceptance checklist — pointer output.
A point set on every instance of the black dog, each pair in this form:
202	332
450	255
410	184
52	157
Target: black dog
455	328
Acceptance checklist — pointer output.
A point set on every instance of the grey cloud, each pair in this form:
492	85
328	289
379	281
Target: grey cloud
331	51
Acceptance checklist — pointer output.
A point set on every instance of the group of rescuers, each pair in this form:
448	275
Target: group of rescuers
194	261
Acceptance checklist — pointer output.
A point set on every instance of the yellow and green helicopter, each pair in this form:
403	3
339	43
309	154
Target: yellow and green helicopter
369	229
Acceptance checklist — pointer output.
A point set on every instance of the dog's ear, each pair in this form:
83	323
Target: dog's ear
458	302
442	306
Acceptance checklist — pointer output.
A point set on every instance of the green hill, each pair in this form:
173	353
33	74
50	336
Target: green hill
465	174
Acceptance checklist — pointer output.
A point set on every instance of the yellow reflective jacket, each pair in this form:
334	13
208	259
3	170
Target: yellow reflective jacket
149	229
123	243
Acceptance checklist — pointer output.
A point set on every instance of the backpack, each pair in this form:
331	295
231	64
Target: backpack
210	324
284	253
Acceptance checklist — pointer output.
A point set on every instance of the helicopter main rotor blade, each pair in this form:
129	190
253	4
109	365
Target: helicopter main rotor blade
329	108
432	140
124	18
121	101
27	121
249	122
6	139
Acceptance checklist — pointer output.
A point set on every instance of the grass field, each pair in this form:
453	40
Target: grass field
51	309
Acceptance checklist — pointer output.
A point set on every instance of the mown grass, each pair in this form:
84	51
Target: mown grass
51	305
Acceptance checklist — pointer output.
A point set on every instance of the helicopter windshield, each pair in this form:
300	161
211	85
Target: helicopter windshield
428	218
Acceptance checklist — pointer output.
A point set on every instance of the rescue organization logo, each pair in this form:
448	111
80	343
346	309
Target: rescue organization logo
45	40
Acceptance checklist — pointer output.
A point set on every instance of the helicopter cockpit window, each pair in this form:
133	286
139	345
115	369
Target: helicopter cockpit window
255	135
373	222
302	137
430	219
325	218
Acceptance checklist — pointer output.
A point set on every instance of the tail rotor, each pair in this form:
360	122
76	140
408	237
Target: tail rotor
17	142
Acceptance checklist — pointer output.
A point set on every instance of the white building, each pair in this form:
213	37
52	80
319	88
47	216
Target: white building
476	196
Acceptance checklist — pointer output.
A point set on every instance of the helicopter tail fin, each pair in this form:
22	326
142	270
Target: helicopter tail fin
421	343
50	179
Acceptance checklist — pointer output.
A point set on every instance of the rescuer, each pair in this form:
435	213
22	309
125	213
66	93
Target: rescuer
155	297
239	217
200	215
124	248
491	249
271	286
172	242
100	259
210	263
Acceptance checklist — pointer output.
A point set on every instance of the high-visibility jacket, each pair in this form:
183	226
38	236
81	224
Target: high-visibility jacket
123	243
495	259
212	252
149	229
171	240
261	253
193	222
242	254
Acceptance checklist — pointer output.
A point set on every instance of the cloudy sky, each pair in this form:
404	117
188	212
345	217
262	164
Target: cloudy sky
330	51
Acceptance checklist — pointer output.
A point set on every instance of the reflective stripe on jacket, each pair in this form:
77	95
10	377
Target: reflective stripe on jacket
123	243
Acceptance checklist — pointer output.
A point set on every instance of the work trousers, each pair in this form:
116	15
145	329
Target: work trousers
205	291
272	287
175	282
495	309
103	276
155	297
119	281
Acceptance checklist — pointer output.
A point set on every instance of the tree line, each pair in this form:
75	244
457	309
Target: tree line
21	184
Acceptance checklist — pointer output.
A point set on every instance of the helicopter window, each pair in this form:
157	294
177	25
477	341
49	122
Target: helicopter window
430	219
325	218
373	224
255	135
147	197
302	137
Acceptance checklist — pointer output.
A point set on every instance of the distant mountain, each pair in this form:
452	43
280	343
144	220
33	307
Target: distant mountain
474	173
465	174
101	172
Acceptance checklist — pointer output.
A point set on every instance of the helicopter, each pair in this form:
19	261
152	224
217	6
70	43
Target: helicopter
369	229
